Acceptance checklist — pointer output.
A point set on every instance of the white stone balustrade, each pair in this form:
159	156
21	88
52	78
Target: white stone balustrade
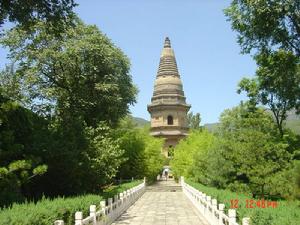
209	208
109	212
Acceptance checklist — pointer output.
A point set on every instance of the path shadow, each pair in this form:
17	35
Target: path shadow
164	186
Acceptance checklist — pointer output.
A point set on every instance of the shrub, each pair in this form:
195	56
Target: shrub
46	211
287	212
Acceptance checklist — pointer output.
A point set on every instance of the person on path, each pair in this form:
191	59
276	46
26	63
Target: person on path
166	173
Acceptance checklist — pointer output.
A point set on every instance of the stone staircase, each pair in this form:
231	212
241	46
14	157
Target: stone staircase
164	186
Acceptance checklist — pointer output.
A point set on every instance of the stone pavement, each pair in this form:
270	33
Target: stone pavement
162	204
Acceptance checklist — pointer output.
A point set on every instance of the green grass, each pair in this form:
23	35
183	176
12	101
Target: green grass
113	190
46	211
287	212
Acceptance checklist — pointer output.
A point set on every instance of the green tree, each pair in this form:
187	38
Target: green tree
252	147
297	170
66	75
26	13
10	84
276	85
193	120
142	152
271	29
20	161
133	144
190	155
284	183
153	155
265	24
79	84
104	155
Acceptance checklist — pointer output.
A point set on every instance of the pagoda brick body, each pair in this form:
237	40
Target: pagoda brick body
168	108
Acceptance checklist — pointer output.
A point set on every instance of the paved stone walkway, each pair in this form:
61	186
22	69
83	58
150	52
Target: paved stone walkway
162	204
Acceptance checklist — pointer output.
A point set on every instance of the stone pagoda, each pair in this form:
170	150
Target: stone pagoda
168	108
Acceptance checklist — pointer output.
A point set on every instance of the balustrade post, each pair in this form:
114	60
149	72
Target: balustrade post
116	198
208	201
221	212
109	204
78	218
102	204
132	194
121	196
145	181
93	213
204	205
199	194
124	196
232	216
201	202
59	222
197	197
181	180
246	221
129	196
214	209
104	211
121	204
116	209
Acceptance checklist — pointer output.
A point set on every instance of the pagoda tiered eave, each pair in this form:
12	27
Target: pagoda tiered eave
159	106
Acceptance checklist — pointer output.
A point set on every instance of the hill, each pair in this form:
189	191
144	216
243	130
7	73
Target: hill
140	122
292	122
212	127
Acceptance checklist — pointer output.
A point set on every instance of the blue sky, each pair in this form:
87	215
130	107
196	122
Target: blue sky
207	53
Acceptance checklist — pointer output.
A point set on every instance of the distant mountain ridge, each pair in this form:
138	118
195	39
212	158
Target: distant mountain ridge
292	122
212	127
140	122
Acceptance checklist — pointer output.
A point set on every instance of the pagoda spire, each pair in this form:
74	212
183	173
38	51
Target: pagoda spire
167	43
167	63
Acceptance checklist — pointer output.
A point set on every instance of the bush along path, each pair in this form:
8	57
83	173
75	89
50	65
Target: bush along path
46	211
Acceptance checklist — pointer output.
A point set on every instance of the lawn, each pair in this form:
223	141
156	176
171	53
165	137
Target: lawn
286	212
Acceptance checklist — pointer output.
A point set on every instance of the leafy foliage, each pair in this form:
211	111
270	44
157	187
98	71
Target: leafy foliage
287	212
27	13
66	75
153	155
77	86
277	84
265	24
141	151
252	149
20	143
247	155
272	29
104	155
193	120
10	84
46	211
190	155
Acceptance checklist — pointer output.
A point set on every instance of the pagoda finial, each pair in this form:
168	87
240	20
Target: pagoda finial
167	43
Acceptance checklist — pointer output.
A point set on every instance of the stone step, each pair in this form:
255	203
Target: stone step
169	189
164	186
